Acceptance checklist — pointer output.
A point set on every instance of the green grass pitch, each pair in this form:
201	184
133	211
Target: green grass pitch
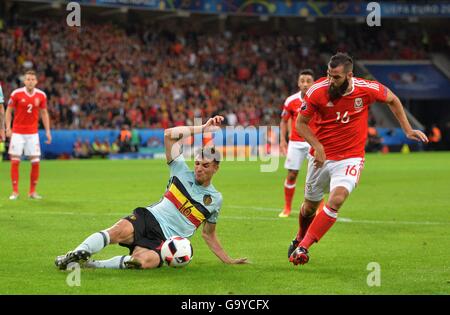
398	217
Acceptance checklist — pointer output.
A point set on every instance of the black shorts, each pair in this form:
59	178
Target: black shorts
147	232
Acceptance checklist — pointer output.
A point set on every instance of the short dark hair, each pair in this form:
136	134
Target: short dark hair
31	72
210	153
306	72
341	59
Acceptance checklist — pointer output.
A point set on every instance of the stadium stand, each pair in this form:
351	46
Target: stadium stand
108	74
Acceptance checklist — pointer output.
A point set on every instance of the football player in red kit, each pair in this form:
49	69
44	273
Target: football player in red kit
340	104
26	103
297	149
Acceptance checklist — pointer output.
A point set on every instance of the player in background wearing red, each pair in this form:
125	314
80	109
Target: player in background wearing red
26	102
297	149
341	103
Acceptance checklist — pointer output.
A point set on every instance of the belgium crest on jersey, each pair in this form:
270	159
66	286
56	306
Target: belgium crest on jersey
207	199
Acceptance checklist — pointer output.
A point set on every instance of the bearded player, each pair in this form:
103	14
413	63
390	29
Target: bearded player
341	103
297	149
26	103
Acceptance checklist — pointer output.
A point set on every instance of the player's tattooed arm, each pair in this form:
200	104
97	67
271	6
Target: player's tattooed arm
396	107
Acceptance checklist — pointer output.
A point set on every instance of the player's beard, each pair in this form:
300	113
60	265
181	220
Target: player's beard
336	92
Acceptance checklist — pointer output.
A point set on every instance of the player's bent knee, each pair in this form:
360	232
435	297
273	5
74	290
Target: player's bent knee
149	259
121	232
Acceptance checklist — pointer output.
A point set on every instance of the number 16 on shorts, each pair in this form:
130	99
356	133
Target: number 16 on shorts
354	170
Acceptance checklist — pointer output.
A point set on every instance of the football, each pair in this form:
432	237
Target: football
177	251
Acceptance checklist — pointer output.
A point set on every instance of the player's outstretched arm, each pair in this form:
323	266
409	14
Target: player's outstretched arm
304	131
210	237
397	109
172	136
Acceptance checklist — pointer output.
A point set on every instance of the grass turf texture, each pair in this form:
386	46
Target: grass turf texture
400	219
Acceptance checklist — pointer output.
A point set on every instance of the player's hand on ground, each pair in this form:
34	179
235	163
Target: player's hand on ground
8	133
417	135
283	147
213	124
49	137
238	261
319	156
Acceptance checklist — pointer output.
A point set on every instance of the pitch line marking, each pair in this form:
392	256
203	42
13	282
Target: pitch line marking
343	220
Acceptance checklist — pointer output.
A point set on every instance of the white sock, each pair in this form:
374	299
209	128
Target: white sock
117	262
95	243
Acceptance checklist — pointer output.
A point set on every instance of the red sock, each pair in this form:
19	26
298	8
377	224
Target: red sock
34	175
323	221
15	175
289	190
303	224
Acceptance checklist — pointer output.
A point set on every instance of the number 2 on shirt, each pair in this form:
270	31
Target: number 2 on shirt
30	108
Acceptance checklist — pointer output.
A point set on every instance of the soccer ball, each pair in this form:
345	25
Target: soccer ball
177	251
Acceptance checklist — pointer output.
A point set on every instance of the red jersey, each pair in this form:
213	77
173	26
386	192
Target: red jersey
342	123
26	109
291	109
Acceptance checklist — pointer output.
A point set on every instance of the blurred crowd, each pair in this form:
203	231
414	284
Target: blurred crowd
104	76
127	141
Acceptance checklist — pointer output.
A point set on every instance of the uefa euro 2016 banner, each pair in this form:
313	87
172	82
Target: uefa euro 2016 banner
415	81
286	7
